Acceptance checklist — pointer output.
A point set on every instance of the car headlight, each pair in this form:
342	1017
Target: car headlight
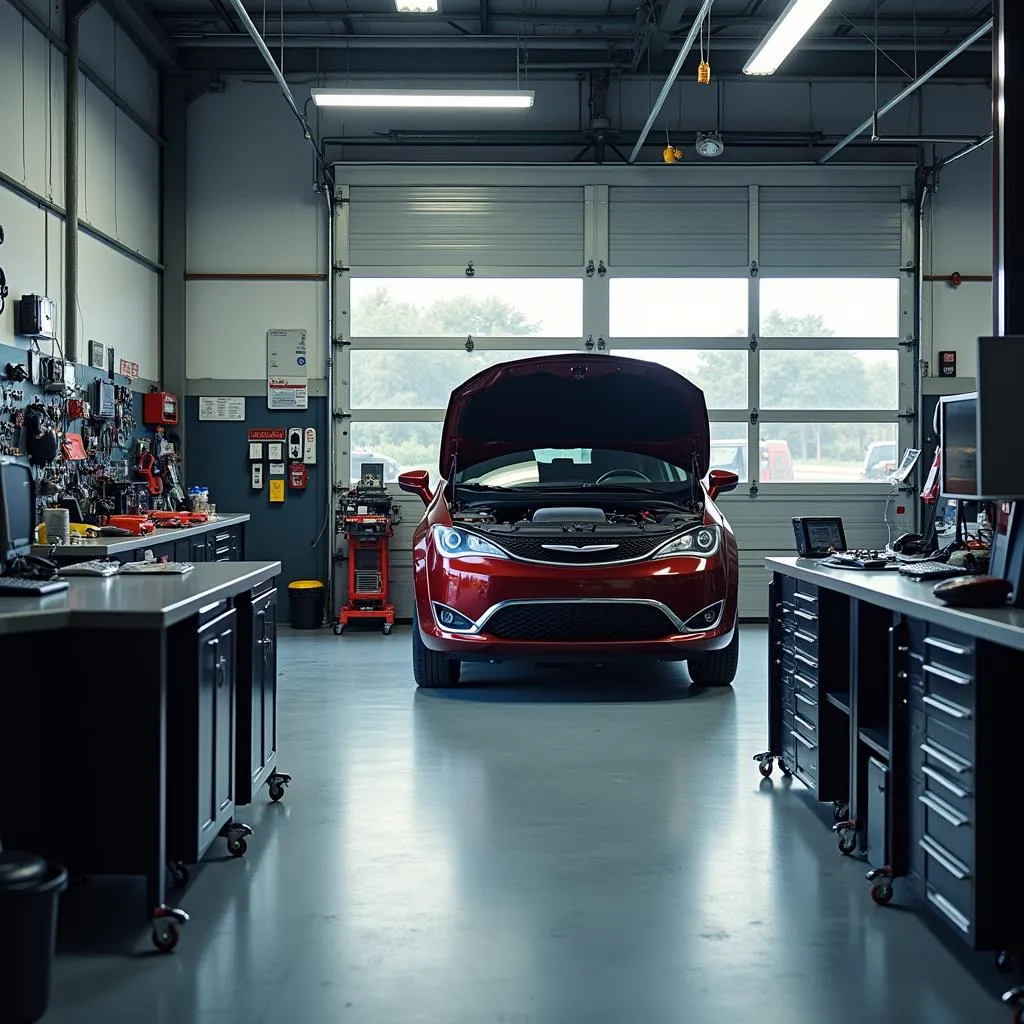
701	541
455	543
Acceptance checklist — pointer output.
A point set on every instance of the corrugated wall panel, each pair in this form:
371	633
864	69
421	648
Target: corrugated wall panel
434	227
677	227
830	227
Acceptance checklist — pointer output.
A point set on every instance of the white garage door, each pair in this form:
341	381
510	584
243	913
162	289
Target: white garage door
783	293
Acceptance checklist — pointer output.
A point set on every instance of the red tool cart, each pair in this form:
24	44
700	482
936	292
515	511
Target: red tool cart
367	522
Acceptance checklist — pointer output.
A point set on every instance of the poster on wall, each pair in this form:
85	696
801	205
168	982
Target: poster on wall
229	409
287	370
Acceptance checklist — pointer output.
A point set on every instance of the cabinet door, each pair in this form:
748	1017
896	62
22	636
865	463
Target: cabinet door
182	551
216	724
878	812
197	549
264	682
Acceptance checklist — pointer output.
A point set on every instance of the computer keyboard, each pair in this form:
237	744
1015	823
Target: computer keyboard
859	560
930	570
27	586
97	567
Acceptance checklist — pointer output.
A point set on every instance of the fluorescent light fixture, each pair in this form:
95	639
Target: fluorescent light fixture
416	6
452	99
793	24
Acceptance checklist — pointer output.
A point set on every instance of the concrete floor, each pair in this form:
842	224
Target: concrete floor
590	847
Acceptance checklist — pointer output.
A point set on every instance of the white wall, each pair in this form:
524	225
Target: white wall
119	181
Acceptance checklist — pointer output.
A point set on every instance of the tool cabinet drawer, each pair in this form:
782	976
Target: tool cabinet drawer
806	618
806	722
806	643
807	708
949	827
948	684
950	724
953	650
806	758
787	587
949	884
805	664
806	682
939	754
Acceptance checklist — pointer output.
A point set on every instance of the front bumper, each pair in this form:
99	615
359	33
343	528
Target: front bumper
511	609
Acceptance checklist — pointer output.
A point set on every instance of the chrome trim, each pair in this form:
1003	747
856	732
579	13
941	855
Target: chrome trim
720	605
579	548
664	609
434	605
713	527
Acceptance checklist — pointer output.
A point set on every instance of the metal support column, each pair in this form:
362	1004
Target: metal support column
1007	161
172	237
71	190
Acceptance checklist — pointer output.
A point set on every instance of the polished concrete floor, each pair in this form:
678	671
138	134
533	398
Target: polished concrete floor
536	847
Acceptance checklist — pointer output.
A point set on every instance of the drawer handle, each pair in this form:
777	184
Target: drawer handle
807	700
222	536
943	781
949	910
944	812
947	860
801	739
809	662
806	637
953	677
803	721
805	597
950	760
945	645
947	707
809	683
806	616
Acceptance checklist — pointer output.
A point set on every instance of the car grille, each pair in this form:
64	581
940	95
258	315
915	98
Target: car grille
635	546
579	622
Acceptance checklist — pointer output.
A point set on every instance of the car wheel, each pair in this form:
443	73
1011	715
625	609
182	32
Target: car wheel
431	669
717	668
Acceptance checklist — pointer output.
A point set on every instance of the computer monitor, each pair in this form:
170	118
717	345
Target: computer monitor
17	509
958	419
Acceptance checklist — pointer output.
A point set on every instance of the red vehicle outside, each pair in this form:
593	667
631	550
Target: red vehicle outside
573	521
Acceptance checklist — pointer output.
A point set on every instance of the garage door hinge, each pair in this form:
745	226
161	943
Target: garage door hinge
753	343
908	342
753	417
908	268
753	490
470	345
340	414
590	344
753	268
340	268
907	414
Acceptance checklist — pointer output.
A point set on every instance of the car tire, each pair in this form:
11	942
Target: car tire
717	668
431	669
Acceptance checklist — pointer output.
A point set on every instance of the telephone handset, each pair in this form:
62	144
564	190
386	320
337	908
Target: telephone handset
4	290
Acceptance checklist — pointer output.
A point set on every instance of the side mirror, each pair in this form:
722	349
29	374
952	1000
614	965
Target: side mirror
416	481
720	481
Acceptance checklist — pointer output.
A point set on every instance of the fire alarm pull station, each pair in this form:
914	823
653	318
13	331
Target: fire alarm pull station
160	409
309	446
295	443
257	476
297	476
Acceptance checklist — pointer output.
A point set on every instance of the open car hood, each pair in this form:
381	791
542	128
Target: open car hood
577	401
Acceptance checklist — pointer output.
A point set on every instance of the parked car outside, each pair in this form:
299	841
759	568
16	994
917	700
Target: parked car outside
879	461
575	523
359	457
776	460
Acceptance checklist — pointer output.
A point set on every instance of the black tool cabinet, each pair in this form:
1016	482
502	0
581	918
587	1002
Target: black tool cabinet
910	730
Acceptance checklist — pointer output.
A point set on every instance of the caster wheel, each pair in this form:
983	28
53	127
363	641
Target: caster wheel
166	937
841	812
237	846
846	846
387	628
179	875
275	791
765	767
785	769
338	629
881	894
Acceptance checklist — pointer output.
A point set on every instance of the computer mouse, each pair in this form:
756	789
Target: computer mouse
973	591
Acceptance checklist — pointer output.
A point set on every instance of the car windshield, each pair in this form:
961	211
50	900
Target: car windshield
572	468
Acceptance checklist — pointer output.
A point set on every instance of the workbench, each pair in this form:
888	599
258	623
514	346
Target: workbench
905	715
222	539
139	713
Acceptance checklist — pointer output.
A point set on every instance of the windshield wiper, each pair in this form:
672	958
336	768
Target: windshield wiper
492	487
631	488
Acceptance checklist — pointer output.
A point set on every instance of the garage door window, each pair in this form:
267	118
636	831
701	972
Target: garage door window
829	379
400	446
720	373
677	307
459	307
827	452
823	307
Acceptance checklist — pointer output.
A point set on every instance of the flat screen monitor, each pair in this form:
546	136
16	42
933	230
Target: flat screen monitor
959	427
818	536
17	509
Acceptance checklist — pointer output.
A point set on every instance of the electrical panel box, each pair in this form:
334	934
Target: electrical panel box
160	409
36	317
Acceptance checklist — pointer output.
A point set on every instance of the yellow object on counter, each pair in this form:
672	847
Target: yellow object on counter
77	529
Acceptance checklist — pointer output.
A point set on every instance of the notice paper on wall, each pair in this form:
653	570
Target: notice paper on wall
229	409
287	370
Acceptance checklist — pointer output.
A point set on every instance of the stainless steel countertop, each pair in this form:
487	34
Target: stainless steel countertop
889	589
102	547
130	601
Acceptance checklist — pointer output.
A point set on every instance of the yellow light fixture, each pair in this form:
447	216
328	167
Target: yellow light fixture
703	72
671	154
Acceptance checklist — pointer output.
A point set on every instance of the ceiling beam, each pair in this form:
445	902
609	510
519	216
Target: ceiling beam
670	21
485	18
145	30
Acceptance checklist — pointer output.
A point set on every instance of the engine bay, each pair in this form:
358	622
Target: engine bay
648	517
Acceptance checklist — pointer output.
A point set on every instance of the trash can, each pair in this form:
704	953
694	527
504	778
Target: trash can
306	604
29	891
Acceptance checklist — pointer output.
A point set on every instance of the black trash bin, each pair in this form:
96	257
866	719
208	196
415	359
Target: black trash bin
306	604
29	891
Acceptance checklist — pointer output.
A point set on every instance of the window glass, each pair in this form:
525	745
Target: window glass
829	379
677	307
400	446
822	453
405	307
720	373
853	307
